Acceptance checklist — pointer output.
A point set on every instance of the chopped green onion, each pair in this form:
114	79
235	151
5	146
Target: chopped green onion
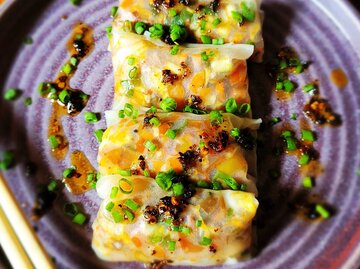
70	209
140	27
216	22
198	223
121	114
289	86
125	173
275	120
132	204
53	142
185	15
130	215
152	109
90	177
324	213
178	189
156	31
64	96
307	135
109	206
309	88
205	39
203	184
244	109
204	56
237	16
287	133
172	12
69	172
113	11
185	230
28	101
247	13
146	173
75	2
12	94
216	185
299	69
205	241
117	216
133	72
114	192
99	135
155	121
53	185
130	183
177	32
73	61
28	40
203	25
243	187
128	109
168	104
174	50
194	110
67	68
279	85
216	117
308	182
171	134
290	143
304	159
283	65
91	117
293	116
43	88
231	105
164	179
235	132
175	228
150	145
131	60
108	29
230	181
79	36
171	245
218	41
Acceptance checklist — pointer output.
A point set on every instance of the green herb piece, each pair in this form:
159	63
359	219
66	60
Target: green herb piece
64	96
205	39
172	12
293	116
73	61
133	72
70	209
290	143
216	185
204	56
235	132
69	172
78	36
299	69
91	117
287	133
194	110
12	94
289	86
216	22
177	32
185	230
67	68
171	245
130	183
53	142
308	182
114	192
155	122
117	216
244	109
230	181
216	117
131	60
146	173
171	134
130	215
175	49
130	111
324	213
132	204
282	65
231	105
185	15
198	223
164	179
203	184
53	185
108	30
275	120
28	40
121	114
150	145
279	85
99	135
304	159
140	27
243	187
205	241
309	88
28	101
152	109
307	135
75	2
168	104
237	16
218	41
113	11
178	189
247	12
156	31
175	228
125	173
90	177
109	206
43	89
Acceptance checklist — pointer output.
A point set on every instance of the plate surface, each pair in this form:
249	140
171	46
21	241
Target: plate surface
325	32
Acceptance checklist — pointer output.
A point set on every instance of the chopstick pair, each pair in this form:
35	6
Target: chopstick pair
17	238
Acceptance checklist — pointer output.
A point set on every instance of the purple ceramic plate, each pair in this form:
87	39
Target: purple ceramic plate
325	32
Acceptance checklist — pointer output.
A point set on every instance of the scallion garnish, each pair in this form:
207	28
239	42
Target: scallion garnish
216	117
117	216
203	184
125	173
164	179
132	204
113	11
216	185
178	189
308	182
247	12
70	209
128	109
53	142
175	49
218	41
130	215
290	143
324	213
172	12
171	134
109	206
75	2
99	135
205	39
28	40
289	86
67	68
146	173
121	114
237	16
155	122
131	60
205	241
203	25
307	135
8	160
73	61
133	72
53	185
293	116
130	184
198	223
79	219
185	230
171	245
69	172
231	105
304	159
28	101
64	96
216	22
152	109
12	94
114	192
140	27
309	88
230	181
275	120
168	104
244	109
177	32
156	31
204	56
150	145
91	117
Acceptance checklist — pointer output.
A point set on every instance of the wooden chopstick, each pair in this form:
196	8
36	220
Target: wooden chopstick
23	230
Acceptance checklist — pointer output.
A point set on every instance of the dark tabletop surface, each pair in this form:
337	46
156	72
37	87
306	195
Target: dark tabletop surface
3	261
